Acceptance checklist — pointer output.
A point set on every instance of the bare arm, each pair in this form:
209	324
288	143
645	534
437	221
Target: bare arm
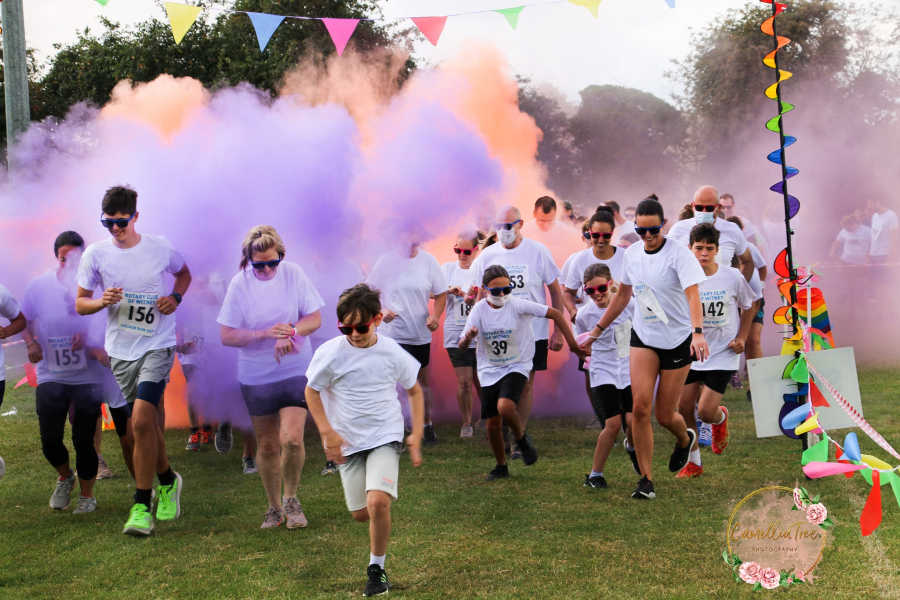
570	297
466	340
85	304
616	306
434	319
744	330
239	338
834	248
563	327
331	440
763	274
16	325
699	347
167	304
556	301
309	324
746	264
417	413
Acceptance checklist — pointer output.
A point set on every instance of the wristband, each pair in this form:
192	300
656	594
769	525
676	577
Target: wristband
295	332
698	330
177	297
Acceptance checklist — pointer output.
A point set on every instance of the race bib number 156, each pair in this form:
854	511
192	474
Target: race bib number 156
138	313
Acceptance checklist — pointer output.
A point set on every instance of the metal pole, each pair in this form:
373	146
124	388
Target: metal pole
15	72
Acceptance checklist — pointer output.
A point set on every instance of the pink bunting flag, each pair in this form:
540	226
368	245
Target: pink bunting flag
431	27
816	470
30	376
340	30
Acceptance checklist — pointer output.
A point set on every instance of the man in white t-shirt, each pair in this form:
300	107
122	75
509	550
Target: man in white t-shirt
732	241
532	271
140	339
560	238
884	244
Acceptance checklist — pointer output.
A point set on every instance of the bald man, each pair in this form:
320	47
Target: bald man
531	268
732	242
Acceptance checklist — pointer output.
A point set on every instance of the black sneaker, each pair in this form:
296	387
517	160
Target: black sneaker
330	468
598	482
681	455
527	450
378	582
499	472
632	454
644	490
429	438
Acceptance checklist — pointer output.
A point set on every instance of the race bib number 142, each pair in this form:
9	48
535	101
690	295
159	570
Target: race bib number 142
138	313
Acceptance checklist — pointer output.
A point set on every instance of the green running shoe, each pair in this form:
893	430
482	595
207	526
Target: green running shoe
140	521
168	506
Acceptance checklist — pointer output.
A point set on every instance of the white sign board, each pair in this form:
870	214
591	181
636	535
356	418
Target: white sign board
837	366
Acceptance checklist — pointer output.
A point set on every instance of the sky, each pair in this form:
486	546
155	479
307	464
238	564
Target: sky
631	44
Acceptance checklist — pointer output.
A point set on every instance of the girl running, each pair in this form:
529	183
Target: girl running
466	248
600	232
269	310
663	277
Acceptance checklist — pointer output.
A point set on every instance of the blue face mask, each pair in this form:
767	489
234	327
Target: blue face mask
704	217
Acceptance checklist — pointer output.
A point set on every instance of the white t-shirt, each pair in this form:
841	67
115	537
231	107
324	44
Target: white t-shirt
407	285
759	261
9	309
331	278
749	229
457	310
756	285
134	326
721	295
254	304
731	239
359	389
659	280
51	305
855	245
610	353
530	266
882	225
622	230
505	337
582	260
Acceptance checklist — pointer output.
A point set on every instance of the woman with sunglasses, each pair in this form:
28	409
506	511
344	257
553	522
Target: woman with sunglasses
663	277
610	377
270	309
457	276
602	251
503	324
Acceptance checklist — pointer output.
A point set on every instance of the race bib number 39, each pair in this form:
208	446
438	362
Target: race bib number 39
715	308
501	346
62	359
138	313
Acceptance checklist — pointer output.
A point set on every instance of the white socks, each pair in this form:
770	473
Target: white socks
695	457
376	560
595	474
722	420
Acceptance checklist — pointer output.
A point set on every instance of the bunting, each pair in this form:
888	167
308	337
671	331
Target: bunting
264	25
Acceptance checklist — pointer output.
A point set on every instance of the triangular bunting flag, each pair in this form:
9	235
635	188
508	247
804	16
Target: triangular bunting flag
30	377
895	485
511	14
817	453
815	396
671	3
265	25
591	5
341	30
103	2
870	518
181	18
431	27
800	373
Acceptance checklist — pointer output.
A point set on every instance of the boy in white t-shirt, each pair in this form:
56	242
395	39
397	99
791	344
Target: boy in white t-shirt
352	396
503	325
725	329
140	339
852	245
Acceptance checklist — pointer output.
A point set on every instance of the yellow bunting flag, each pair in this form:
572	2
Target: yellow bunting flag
591	5
808	425
875	463
181	18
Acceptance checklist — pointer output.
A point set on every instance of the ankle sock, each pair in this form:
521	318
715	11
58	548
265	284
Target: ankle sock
376	560
628	446
695	457
722	420
167	478
596	474
142	497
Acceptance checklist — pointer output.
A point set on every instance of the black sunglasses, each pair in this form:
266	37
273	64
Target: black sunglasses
706	207
120	223
642	231
463	251
504	291
364	328
259	266
597	236
600	288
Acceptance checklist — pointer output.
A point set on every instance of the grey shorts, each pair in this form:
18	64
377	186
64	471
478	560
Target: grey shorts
374	469
146	377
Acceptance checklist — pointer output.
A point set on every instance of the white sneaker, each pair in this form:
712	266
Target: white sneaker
62	495
85	505
466	431
103	470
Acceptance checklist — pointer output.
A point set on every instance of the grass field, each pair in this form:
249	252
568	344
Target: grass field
539	534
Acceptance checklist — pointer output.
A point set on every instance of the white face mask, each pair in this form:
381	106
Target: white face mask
498	301
704	217
507	237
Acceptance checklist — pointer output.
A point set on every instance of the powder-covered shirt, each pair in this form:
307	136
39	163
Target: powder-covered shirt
457	310
856	245
9	309
882	225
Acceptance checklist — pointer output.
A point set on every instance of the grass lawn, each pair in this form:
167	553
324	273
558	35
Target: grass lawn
539	534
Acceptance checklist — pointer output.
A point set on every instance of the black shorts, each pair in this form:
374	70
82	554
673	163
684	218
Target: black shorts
581	365
461	358
539	363
510	386
717	381
761	312
669	360
421	353
120	418
608	401
269	398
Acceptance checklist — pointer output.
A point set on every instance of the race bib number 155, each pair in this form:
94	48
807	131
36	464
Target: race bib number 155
138	313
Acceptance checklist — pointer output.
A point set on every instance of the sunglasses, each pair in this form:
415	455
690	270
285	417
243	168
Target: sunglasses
364	328
590	291
463	251
706	207
593	235
259	266
504	291
642	231
120	223
506	226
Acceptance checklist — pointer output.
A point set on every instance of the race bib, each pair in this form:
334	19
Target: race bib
715	308
195	335
651	310
518	279
501	346
62	359
461	312
622	332
138	313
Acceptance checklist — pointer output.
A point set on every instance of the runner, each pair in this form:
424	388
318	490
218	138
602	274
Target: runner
721	295
140	339
609	368
727	201
505	352
601	227
270	309
753	347
623	226
884	246
352	395
407	281
663	277
852	246
457	275
706	209
531	268
9	309
559	236
68	374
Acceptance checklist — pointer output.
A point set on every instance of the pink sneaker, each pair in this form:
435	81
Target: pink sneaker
295	517
274	518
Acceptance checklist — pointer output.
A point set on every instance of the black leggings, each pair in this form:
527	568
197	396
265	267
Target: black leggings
52	403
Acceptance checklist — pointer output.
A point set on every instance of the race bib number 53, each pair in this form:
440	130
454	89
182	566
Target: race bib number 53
138	313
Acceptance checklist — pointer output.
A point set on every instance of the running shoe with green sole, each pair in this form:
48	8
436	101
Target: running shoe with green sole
168	506
140	521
